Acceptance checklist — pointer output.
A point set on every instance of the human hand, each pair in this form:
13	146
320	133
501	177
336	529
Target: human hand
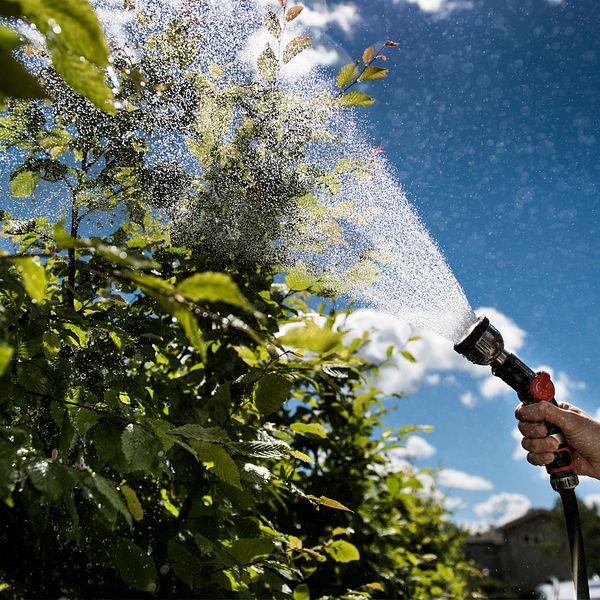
581	431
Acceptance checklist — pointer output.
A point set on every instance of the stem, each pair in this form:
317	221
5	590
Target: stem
375	55
71	255
75	221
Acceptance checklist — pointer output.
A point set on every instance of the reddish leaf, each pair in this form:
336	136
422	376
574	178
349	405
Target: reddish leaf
293	12
368	55
391	43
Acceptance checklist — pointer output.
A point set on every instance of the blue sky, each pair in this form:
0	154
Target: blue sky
491	118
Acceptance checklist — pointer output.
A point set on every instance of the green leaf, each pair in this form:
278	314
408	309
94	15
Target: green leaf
297	45
72	24
6	354
133	503
16	81
312	337
329	502
108	492
33	275
187	566
134	566
212	287
85	77
273	24
189	324
217	460
353	166
299	279
347	74
301	592
202	434
139	448
355	99
248	550
267	65
408	356
271	392
84	420
342	551
309	429
301	456
50	478
373	73
9	472
51	345
23	183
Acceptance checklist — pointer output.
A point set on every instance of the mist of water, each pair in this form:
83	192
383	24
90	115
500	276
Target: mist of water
384	257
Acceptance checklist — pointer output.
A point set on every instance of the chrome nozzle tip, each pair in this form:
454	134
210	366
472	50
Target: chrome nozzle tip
482	344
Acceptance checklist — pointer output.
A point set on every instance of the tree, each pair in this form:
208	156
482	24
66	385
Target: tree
590	526
197	432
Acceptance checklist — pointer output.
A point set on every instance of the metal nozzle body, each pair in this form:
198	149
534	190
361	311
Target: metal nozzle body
483	345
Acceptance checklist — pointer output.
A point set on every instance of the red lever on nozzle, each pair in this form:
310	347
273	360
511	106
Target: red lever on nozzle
541	387
562	469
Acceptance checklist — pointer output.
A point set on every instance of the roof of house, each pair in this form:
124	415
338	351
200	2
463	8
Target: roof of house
497	535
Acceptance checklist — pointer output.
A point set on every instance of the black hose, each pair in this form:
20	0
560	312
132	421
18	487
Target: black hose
573	523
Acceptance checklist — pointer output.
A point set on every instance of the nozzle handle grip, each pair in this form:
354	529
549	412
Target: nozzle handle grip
541	389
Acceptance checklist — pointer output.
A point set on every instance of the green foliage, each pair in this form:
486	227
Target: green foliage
173	429
74	41
349	75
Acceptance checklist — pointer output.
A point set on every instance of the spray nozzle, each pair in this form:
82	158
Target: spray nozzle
483	343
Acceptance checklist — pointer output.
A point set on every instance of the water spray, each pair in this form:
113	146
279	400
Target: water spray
483	345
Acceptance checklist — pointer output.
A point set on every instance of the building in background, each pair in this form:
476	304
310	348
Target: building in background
522	553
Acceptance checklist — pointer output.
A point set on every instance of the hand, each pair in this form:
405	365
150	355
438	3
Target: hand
581	431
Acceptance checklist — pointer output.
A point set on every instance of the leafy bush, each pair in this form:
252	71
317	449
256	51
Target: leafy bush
173	430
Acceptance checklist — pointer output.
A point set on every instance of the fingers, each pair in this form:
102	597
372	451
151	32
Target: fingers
541	450
539	460
542	411
533	430
540	446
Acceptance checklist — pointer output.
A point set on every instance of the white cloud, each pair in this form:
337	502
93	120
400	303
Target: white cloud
440	8
502	508
493	387
474	527
415	446
432	352
512	334
563	384
468	399
453	478
314	20
345	16
453	503
310	59
519	452
592	500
